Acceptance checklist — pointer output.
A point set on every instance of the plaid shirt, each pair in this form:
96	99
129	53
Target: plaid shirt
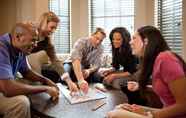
86	53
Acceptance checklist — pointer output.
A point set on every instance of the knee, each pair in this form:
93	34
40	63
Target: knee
23	102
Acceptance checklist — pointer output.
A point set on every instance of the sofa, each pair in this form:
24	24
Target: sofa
36	60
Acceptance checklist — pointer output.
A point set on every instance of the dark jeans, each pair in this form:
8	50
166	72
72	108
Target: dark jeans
149	98
48	72
93	77
134	97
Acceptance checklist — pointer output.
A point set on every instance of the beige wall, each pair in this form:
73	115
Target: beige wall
18	10
79	19
75	20
30	9
7	15
184	29
144	13
13	11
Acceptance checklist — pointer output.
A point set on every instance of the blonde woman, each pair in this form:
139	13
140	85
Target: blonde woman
47	25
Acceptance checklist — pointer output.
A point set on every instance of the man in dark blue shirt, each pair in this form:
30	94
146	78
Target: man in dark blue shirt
13	50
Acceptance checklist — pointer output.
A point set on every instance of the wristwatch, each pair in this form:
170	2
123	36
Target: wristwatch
81	81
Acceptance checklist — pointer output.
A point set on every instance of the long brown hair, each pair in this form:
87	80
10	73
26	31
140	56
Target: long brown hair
156	44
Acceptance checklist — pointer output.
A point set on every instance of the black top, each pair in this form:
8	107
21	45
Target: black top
125	59
47	46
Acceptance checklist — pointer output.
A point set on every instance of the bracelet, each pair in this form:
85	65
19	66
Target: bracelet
81	81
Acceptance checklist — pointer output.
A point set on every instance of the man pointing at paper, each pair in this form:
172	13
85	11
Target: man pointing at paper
84	62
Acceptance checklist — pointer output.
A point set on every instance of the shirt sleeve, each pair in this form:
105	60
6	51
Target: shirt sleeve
5	66
77	51
171	69
50	50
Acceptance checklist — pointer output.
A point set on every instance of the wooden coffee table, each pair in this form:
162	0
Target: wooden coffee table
63	109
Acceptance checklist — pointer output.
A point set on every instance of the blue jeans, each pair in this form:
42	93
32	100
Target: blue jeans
93	77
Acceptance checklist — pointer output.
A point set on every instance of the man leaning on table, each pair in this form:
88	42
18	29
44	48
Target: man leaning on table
13	50
84	61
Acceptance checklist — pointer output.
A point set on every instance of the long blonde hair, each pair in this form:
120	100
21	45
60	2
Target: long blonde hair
48	17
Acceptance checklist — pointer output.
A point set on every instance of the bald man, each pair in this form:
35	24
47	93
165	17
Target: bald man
14	47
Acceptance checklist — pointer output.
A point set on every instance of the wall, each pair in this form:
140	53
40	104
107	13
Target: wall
18	10
75	20
184	29
25	10
7	15
79	19
13	11
30	9
144	13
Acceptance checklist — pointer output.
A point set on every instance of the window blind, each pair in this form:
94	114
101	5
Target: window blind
61	36
109	14
168	18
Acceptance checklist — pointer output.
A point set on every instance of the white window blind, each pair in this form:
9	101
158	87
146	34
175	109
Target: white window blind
168	18
61	37
109	14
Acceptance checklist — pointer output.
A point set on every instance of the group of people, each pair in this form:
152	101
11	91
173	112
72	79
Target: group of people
146	51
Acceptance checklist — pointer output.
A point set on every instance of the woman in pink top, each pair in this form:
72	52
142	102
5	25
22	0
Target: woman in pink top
168	72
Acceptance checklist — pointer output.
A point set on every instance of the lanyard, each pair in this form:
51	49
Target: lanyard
16	65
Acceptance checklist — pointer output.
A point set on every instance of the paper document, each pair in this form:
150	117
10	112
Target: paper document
93	94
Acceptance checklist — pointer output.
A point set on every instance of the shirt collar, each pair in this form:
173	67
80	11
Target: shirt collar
13	51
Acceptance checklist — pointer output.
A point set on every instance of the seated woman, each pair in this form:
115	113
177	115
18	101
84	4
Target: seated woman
168	77
121	58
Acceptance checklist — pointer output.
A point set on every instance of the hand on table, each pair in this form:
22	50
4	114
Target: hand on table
83	85
109	78
53	92
132	108
51	84
73	88
128	111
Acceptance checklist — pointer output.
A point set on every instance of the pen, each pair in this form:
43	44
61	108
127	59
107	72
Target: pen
100	104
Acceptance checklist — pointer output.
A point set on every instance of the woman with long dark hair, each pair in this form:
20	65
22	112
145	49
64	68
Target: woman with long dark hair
121	58
168	72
